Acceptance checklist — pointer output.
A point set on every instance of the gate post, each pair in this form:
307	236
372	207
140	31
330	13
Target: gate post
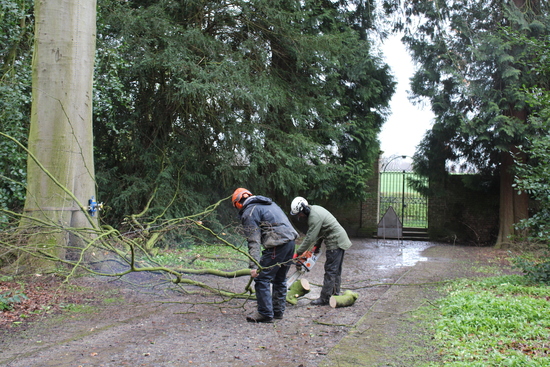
370	207
403	201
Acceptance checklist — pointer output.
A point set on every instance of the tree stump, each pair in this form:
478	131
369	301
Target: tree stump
297	290
346	299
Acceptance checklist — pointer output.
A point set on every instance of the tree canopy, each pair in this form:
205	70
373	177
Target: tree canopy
196	98
475	63
475	68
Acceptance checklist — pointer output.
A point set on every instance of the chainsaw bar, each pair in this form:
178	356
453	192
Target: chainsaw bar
294	277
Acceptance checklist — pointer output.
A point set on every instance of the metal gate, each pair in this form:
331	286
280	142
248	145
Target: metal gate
410	206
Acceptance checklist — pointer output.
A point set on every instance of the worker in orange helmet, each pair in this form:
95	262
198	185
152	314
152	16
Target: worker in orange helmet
271	243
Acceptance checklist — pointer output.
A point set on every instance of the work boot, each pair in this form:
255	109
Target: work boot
258	317
278	315
319	302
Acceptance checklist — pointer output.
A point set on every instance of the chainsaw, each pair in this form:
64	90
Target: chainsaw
304	264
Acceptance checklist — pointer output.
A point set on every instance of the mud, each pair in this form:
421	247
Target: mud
152	328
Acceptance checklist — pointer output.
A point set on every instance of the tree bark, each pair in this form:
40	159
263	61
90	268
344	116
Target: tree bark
60	135
513	207
346	299
298	289
216	272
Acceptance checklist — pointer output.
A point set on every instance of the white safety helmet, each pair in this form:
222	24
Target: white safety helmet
297	205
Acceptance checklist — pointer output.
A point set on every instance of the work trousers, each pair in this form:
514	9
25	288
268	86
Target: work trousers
275	263
333	273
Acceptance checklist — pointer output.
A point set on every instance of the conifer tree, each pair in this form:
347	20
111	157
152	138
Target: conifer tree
198	97
474	70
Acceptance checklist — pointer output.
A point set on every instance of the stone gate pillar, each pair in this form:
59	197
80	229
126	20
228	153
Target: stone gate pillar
368	222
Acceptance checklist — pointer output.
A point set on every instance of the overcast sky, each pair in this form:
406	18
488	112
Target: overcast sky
407	124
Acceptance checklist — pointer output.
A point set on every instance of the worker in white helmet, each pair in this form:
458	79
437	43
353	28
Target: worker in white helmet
323	226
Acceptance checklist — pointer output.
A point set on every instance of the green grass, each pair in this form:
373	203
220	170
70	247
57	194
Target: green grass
203	257
113	300
77	308
499	321
392	182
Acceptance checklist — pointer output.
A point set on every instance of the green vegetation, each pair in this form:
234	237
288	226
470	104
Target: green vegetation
77	308
533	176
195	99
476	68
113	300
499	321
536	269
392	182
10	297
202	257
16	33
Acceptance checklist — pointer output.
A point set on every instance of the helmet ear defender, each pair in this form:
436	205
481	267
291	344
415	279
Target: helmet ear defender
305	209
237	198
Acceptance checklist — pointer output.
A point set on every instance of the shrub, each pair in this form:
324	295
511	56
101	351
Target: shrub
532	178
9	298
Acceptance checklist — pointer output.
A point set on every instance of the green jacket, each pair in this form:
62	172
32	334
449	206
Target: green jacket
322	224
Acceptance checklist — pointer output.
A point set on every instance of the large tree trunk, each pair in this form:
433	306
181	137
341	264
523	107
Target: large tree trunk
60	136
513	207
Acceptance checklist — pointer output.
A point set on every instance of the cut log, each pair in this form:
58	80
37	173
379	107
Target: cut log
346	299
297	289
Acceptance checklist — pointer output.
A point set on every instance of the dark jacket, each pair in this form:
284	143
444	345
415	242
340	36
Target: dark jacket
265	225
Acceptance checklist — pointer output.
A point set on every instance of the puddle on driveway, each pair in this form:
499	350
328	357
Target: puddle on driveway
407	253
391	254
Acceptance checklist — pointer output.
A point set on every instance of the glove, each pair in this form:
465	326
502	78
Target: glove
306	255
300	260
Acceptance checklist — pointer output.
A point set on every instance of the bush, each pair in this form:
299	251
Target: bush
532	178
537	271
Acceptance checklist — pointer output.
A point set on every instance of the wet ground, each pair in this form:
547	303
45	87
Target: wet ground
393	278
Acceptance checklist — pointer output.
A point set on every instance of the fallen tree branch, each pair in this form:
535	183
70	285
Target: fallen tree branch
216	272
344	300
331	324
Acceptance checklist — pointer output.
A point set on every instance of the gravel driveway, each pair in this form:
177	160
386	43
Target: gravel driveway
162	329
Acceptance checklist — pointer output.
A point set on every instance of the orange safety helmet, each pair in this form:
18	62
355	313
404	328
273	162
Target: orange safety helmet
238	196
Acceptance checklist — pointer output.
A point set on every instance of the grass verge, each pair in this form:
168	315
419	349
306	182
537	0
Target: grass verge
498	321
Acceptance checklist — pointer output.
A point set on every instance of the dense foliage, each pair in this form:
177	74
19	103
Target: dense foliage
16	32
474	68
533	176
475	64
196	98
